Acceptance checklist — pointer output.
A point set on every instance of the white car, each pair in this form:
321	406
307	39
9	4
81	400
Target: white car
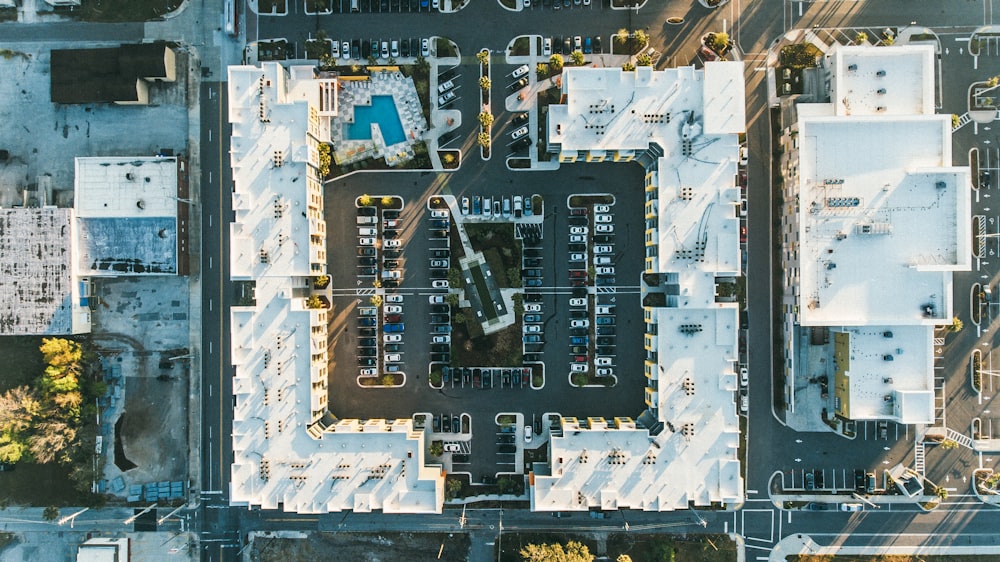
602	260
465	205
439	263
425	48
533	307
527	434
578	302
605	271
579	323
439	214
578	367
605	228
445	86
603	361
851	507
394	298
547	47
394	48
369	372
391	224
440	283
603	250
578	43
452	448
577	238
393	309
436	299
520	71
602	218
577	257
602	208
367	231
335	49
345	49
578	230
441	339
605	310
532	328
393	244
744	376
487	207
446	98
744	403
392	338
605	372
520	132
366	241
393	357
744	156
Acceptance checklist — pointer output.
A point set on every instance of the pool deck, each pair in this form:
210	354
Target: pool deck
353	93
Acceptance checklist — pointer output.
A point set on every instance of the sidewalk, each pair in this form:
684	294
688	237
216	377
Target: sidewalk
987	544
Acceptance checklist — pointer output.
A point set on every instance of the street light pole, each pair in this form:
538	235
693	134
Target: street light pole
71	518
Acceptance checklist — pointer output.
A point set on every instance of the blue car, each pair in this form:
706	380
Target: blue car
393	328
605	320
579	340
533	282
369	321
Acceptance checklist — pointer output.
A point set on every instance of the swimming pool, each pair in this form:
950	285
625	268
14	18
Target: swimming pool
381	111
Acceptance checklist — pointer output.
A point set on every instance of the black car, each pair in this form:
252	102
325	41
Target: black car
366	49
506	438
521	144
532	356
390	214
859	481
367	352
368	321
393	347
366	211
557	44
440	309
532	297
605	330
356	49
367	361
404	48
366	251
446	423
440	319
440	253
605	350
366	270
439	274
439	348
578	221
439	234
368	331
367	260
391	254
390	284
390	233
605	340
437	423
578	314
604	238
441	357
597	44
519	118
578	331
532	262
577	247
390	264
456	424
367	342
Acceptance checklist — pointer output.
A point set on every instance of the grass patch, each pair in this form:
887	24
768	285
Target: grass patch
24	361
42	485
521	46
272	50
799	55
126	10
444	48
499	349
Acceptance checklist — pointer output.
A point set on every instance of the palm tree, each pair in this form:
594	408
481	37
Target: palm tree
376	300
386	200
577	57
484	139
484	82
483	57
51	513
622	36
486	119
556	62
860	38
628	66
641	36
365	200
643	59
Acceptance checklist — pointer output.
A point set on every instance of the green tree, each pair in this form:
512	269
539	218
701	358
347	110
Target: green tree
49	439
483	139
451	298
628	66
313	301
541	70
992	82
388	380
556	63
641	37
50	513
460	317
376	300
621	36
365	200
422	64
956	325
454	278
513	277
485	119
452	488
644	59
888	40
386	200
61	352
941	492
372	61
860	38
437	448
484	83
483	57
577	57
955	119
948	444
719	42
325	159
573	552
623	558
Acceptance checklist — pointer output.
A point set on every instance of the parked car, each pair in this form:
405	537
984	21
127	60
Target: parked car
519	132
446	98
579	256
605	228
578	302
519	119
393	244
533	307
441	339
532	317
436	299
425	48
603	250
465	206
578	230
605	320
520	71
527	434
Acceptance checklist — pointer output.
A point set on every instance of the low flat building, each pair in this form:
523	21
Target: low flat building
881	222
682	125
291	452
103	549
118	75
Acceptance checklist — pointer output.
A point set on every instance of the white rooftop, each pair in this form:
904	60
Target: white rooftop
890	372
694	118
40	292
613	109
290	452
884	219
889	81
130	186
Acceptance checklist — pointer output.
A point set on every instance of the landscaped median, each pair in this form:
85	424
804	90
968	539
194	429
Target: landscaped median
486	116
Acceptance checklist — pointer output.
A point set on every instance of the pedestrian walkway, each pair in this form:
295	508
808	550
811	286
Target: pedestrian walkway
895	544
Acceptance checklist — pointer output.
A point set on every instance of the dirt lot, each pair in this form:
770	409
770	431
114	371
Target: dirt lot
382	547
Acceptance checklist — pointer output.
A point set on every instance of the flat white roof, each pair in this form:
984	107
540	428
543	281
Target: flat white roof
891	372
897	80
694	117
128	186
884	220
290	452
613	109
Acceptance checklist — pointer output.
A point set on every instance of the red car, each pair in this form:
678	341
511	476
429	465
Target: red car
578	211
578	283
579	358
574	273
743	234
392	318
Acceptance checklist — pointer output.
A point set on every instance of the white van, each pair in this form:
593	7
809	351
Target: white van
355	7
